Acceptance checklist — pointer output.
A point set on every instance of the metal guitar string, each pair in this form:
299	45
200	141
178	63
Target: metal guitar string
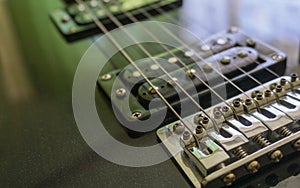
105	31
173	20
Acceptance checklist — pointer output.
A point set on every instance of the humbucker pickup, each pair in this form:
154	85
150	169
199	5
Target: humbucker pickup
75	22
241	137
233	53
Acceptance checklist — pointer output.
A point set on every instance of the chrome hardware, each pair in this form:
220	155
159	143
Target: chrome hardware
233	140
253	166
276	155
272	117
206	160
256	127
293	108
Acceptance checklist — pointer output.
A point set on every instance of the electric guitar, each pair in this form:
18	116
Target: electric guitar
136	93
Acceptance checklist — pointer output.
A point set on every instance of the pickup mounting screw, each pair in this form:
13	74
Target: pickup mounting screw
188	53
242	54
222	41
277	57
152	90
106	77
226	60
205	47
191	73
121	92
172	60
65	19
136	115
172	81
250	43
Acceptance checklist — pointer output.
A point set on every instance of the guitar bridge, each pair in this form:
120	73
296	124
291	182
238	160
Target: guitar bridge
253	131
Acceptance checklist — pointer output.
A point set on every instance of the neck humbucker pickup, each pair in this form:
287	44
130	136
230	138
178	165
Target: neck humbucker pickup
242	136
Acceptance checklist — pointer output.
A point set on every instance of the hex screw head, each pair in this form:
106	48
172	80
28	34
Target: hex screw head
276	156
199	129
268	93
248	102
259	96
186	135
278	88
282	81
236	103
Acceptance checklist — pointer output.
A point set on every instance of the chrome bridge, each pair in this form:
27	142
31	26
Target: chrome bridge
240	137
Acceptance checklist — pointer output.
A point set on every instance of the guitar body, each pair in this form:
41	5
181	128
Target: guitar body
41	145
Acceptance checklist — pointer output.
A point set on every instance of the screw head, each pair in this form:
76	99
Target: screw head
189	53
178	128
229	179
65	19
242	54
199	129
276	156
278	88
233	29
217	114
136	115
207	68
172	81
226	60
253	166
268	93
282	81
225	108
250	43
222	41
277	57
191	73
186	135
172	60
297	144
152	90
236	103
121	92
205	47
205	120
106	77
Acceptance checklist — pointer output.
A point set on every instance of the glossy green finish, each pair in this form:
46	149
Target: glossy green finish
40	144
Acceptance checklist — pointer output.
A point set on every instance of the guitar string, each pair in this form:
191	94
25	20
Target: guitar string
246	73
160	10
105	31
242	70
119	24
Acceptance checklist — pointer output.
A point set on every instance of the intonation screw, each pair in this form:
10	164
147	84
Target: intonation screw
276	155
106	77
268	93
297	144
250	43
282	81
229	179
248	102
294	77
136	115
191	73
121	92
253	166
226	60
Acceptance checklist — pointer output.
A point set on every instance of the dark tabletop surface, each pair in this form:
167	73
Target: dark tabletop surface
40	145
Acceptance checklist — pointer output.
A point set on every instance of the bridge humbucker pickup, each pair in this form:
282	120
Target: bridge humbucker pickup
270	112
